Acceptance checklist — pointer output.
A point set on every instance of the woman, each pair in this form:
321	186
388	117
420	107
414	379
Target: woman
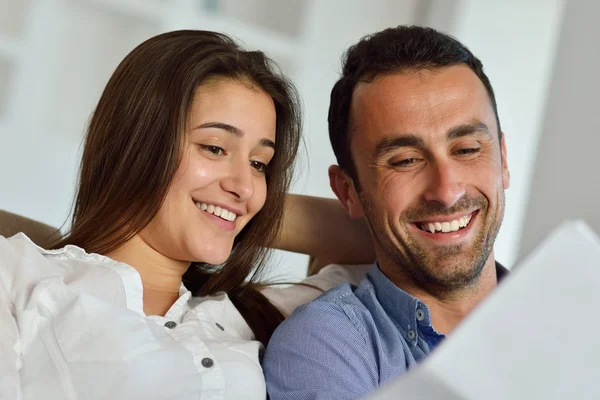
186	163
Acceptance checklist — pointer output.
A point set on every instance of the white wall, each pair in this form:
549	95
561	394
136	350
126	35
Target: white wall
330	28
37	164
517	42
566	184
66	53
66	50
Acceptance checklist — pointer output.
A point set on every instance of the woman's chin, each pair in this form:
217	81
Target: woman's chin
215	252
214	258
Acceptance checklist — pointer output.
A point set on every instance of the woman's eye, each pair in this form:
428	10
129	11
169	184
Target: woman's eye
259	166
216	150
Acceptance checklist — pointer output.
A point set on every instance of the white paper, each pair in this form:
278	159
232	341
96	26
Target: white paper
535	337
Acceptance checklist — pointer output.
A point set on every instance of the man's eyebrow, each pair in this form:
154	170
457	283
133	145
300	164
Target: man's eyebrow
393	142
234	130
468	129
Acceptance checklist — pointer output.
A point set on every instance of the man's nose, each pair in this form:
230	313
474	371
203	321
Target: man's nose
445	185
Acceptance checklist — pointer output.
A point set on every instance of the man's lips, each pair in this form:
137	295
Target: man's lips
446	224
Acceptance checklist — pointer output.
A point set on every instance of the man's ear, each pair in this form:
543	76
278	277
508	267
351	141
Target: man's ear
343	187
505	171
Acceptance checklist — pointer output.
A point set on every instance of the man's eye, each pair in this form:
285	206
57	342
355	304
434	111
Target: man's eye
407	162
259	166
468	150
216	150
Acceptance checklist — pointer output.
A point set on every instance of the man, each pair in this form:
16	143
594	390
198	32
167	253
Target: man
414	126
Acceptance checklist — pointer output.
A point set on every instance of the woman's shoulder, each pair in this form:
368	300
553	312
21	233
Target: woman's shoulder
18	248
23	262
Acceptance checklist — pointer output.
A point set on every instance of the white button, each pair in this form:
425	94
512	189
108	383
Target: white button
411	334
420	315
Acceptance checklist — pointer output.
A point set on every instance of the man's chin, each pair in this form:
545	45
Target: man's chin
452	270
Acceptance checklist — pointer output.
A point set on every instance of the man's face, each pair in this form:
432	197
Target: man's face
431	173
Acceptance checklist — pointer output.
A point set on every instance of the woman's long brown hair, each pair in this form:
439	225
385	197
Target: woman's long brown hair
134	145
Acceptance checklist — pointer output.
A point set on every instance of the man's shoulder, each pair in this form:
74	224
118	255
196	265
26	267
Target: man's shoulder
324	348
340	299
337	319
338	295
337	310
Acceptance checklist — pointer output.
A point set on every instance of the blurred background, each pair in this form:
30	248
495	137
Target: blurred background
542	57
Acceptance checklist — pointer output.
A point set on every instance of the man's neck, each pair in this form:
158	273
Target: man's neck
449	309
161	276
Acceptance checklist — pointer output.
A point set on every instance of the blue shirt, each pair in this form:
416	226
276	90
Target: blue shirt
349	341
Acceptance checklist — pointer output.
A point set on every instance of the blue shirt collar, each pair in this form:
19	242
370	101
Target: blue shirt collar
408	312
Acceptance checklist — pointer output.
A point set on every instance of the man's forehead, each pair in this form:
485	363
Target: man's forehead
411	85
419	100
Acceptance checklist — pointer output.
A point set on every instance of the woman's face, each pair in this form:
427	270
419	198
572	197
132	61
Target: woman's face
220	184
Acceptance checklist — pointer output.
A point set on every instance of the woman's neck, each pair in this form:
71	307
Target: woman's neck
161	276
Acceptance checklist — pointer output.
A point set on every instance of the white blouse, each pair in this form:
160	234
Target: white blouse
72	326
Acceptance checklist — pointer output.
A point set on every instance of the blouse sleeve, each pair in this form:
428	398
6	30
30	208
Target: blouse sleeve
9	332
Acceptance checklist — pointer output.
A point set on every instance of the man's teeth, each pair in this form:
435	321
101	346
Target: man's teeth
218	211
445	227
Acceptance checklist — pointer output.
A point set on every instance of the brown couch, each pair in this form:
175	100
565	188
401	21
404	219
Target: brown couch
40	233
43	235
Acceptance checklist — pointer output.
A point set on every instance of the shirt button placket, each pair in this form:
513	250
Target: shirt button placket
420	315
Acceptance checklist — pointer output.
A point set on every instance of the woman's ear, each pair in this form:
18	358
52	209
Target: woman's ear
344	188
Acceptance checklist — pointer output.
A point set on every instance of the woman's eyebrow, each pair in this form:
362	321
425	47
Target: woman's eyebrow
234	130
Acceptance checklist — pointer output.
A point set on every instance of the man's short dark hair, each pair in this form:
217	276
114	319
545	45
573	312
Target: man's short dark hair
405	48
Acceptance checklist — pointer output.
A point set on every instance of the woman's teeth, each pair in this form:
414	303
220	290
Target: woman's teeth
451	226
218	211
